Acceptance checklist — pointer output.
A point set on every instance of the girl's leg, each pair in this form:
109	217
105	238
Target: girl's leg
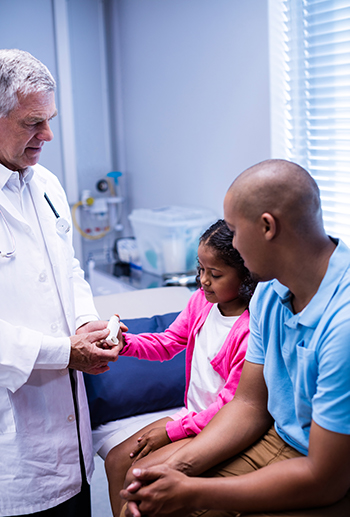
118	462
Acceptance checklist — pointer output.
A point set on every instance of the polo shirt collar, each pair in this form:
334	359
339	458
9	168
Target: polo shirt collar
339	263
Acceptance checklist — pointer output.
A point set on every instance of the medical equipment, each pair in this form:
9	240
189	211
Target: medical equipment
105	211
62	227
113	326
8	254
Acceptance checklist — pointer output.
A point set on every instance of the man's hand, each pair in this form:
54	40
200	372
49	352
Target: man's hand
159	491
150	441
86	356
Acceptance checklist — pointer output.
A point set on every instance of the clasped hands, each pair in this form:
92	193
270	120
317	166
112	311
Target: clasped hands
159	491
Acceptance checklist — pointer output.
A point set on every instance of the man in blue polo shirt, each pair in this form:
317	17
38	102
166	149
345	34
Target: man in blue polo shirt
281	447
310	372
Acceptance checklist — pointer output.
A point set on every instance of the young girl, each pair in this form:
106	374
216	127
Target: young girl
214	328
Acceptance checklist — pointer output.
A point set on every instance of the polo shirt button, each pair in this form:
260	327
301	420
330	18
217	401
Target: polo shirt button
54	327
71	418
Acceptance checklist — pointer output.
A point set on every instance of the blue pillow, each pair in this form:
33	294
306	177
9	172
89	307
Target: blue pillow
134	386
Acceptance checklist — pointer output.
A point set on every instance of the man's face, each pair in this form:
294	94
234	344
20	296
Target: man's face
246	238
26	128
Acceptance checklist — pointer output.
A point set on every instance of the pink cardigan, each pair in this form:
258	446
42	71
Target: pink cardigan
181	334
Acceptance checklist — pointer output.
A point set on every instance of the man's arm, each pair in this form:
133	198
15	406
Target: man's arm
319	479
237	425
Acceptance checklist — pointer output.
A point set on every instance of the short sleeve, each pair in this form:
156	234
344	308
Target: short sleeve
255	352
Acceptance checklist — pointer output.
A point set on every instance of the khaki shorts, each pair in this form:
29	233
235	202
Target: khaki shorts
269	449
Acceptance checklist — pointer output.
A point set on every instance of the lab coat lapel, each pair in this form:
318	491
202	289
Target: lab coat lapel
45	215
47	221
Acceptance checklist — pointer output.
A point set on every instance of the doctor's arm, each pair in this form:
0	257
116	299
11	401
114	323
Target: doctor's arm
23	350
80	352
85	354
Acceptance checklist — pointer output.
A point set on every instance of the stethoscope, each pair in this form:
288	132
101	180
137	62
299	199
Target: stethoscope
62	227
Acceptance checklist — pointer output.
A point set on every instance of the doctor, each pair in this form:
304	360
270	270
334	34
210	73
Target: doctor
48	322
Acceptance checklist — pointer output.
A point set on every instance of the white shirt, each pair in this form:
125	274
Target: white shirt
205	382
44	299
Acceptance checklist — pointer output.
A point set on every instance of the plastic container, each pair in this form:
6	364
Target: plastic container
167	238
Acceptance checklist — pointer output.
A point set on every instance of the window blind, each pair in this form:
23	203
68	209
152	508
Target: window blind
316	111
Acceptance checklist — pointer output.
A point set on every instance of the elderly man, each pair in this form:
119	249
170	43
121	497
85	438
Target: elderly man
282	446
48	323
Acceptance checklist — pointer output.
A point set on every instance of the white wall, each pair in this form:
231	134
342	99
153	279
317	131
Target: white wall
195	92
28	25
89	78
174	93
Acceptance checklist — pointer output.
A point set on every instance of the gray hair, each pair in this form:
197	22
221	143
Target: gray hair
20	72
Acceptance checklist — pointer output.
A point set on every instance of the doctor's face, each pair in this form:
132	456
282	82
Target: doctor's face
25	130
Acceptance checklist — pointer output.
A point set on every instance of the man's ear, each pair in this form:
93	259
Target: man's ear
269	225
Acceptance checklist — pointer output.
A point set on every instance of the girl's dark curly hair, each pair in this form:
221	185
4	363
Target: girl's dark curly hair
219	237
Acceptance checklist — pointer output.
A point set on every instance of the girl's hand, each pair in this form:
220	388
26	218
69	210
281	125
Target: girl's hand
150	441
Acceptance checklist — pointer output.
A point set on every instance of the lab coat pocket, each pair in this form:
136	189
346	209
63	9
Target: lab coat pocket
7	421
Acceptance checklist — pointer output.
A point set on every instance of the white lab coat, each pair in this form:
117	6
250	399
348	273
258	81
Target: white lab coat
39	457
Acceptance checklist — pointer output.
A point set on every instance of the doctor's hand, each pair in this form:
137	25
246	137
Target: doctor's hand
86	356
91	326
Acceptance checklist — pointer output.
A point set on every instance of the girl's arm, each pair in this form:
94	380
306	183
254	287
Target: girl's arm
165	345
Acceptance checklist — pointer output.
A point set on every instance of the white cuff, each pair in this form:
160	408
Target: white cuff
54	353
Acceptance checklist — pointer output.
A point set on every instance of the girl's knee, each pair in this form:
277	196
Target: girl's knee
110	460
116	459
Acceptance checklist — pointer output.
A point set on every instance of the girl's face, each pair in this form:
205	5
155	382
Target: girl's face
219	281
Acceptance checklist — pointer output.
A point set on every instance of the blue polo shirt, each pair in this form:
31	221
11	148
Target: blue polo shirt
306	356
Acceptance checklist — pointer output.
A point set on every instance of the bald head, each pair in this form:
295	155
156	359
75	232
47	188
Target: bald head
281	188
